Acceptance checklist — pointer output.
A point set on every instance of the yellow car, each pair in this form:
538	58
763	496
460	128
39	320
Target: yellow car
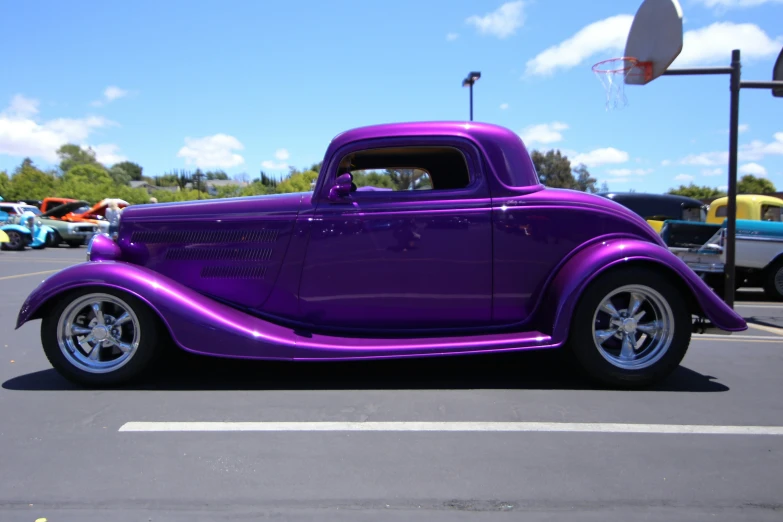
749	206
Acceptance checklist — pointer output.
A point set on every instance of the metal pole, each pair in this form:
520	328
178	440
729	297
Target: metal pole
471	101
731	221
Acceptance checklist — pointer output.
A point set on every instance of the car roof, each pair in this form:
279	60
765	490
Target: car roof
761	198
639	196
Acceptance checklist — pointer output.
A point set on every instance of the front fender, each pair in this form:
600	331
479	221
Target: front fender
16	228
587	264
196	323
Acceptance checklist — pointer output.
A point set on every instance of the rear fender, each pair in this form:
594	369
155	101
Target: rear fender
196	323
583	267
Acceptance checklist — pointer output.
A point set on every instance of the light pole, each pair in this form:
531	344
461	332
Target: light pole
469	81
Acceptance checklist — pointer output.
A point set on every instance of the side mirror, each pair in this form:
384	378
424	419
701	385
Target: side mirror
342	186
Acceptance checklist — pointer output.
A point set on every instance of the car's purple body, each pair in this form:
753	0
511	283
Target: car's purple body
497	266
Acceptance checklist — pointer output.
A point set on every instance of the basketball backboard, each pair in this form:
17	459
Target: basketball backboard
777	76
655	39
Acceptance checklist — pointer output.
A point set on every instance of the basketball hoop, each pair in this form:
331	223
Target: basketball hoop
613	75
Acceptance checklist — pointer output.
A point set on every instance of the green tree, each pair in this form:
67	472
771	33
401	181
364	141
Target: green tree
119	175
750	184
297	182
72	155
697	192
554	169
373	179
604	187
5	184
134	170
584	181
30	182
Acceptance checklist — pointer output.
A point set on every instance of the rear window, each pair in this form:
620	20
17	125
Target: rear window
770	213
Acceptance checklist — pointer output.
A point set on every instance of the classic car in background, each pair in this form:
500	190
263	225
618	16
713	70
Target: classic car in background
658	208
485	259
23	227
73	232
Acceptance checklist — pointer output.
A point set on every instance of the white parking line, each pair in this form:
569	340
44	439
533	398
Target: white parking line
753	305
734	337
568	427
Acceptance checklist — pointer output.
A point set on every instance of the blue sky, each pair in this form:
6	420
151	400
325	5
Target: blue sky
248	86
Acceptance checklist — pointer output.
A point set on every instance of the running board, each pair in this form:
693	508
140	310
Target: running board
321	347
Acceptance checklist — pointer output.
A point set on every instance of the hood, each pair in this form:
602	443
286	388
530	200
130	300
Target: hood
66	208
282	204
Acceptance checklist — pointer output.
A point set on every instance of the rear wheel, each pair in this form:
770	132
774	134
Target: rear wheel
631	328
100	337
773	281
15	241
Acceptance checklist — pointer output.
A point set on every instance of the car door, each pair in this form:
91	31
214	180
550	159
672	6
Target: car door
404	255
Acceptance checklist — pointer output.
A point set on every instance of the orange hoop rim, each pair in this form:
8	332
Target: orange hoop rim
600	67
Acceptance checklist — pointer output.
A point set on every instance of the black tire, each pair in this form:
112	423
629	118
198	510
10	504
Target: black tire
15	241
585	349
54	239
76	243
771	290
138	365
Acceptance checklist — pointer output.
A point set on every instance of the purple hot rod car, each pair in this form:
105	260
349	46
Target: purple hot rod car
467	253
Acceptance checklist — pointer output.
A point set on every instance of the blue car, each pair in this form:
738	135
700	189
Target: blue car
24	230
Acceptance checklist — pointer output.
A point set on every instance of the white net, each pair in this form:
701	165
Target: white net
611	74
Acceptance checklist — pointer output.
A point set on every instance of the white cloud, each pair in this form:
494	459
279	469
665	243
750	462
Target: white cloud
282	154
110	94
666	163
706	159
629	172
503	22
543	132
714	43
683	177
108	154
21	135
711	44
215	151
743	127
450	37
22	107
712	172
733	4
754	169
600	36
503	106
599	157
114	93
274	165
756	150
616	180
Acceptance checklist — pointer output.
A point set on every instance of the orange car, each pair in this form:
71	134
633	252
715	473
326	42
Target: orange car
94	214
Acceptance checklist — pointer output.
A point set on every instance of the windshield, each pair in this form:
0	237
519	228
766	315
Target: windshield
34	210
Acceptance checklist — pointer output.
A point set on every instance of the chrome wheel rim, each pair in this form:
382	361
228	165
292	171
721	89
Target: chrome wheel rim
98	333
633	327
779	281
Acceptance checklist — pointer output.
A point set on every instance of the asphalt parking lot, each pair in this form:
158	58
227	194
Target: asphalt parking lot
64	456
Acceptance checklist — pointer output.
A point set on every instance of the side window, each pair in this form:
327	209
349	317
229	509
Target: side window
406	168
770	213
10	209
722	211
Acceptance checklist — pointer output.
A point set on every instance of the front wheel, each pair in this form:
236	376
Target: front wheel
100	337
773	281
631	328
15	241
